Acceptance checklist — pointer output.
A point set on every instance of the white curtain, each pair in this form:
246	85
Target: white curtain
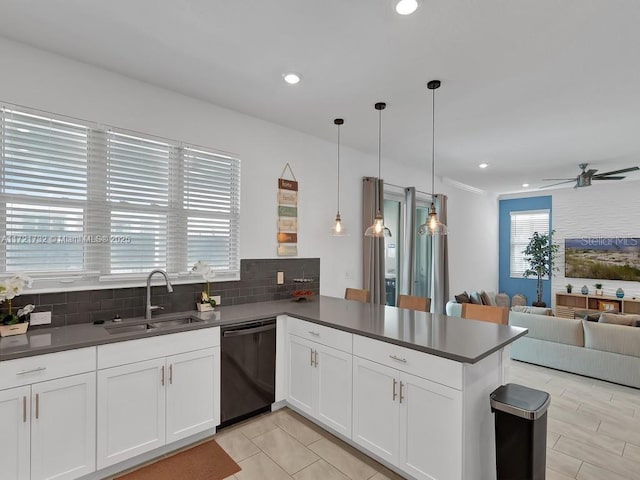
373	248
440	261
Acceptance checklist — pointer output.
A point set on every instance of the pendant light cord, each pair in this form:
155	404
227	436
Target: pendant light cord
338	168
433	144
379	159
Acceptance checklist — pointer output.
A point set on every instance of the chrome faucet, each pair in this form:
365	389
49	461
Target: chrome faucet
151	308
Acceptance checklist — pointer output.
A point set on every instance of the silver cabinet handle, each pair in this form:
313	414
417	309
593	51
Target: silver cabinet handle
395	382
401	397
34	370
24	409
315	358
398	359
171	374
162	377
311	355
37	405
315	334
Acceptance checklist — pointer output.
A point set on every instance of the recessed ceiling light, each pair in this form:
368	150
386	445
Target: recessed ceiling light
291	78
483	165
406	7
525	185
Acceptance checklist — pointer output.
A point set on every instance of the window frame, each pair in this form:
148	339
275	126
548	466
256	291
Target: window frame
96	271
523	244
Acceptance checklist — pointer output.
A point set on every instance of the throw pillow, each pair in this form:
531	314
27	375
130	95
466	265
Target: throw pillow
616	319
486	298
503	300
592	317
462	298
475	298
636	323
518	299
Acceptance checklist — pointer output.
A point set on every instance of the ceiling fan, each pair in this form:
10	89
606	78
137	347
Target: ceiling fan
585	177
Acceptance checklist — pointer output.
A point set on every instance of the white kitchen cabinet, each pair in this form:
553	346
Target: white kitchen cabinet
146	403
63	430
15	425
191	393
319	382
47	417
131	410
409	421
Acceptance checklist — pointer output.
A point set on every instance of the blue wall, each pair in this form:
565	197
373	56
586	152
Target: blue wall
526	286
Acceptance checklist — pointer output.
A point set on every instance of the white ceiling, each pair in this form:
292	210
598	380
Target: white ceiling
532	87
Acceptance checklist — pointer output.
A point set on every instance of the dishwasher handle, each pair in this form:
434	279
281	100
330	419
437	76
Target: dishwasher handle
249	331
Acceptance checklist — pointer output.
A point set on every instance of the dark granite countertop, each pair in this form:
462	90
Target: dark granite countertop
448	337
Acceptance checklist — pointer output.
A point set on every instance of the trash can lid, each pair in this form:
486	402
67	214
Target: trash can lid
520	401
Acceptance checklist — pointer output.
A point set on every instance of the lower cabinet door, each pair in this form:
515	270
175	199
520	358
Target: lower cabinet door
15	427
334	388
191	383
430	429
301	373
375	408
63	428
131	410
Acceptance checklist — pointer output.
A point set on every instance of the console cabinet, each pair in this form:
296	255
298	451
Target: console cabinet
569	303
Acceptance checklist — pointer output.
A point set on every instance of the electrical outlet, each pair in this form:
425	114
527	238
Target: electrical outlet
40	318
280	278
217	299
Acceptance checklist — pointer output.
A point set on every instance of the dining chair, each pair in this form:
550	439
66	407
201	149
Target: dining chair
412	302
486	313
356	294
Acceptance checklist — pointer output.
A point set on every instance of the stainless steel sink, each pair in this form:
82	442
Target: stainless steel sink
158	323
173	322
141	327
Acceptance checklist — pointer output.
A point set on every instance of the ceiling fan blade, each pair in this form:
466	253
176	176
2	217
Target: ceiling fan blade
607	178
615	172
591	172
554	179
561	183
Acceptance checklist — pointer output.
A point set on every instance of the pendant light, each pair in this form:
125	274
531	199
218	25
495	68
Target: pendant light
378	229
433	226
338	230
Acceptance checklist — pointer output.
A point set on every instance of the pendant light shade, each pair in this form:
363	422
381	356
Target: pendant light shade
377	229
338	229
433	226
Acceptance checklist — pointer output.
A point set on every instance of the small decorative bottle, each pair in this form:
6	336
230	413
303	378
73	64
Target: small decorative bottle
620	293
585	290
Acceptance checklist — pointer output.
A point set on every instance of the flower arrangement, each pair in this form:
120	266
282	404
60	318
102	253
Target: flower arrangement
9	289
204	270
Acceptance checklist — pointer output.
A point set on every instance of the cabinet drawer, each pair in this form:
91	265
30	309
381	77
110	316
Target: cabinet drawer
39	368
321	334
437	369
122	353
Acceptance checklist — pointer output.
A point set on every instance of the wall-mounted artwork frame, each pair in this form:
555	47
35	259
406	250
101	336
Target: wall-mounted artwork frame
603	258
287	214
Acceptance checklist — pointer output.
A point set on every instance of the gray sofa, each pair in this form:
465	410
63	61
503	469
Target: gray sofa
600	350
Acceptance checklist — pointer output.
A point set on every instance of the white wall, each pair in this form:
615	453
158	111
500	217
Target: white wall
38	79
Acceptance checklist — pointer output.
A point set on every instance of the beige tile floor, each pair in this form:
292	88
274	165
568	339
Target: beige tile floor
593	434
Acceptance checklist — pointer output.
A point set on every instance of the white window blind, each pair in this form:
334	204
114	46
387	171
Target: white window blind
43	192
523	226
80	198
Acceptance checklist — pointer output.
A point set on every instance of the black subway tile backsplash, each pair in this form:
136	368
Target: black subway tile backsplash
257	284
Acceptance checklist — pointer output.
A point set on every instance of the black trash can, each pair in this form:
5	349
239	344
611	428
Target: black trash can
521	432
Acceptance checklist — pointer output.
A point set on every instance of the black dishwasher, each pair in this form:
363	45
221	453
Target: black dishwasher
248	370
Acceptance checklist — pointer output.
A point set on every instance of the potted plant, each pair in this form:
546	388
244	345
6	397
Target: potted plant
206	303
598	288
13	323
540	254
569	287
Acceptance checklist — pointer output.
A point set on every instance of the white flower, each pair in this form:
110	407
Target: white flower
26	310
204	270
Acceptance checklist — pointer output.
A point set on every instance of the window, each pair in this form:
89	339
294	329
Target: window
80	200
523	225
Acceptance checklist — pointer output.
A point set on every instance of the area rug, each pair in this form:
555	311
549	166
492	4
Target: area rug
207	461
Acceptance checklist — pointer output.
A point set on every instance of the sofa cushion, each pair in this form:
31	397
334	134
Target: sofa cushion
487	298
503	300
530	309
518	299
552	329
612	338
475	298
628	320
462	298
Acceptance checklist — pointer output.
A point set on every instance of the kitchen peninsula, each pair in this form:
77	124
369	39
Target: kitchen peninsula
409	388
